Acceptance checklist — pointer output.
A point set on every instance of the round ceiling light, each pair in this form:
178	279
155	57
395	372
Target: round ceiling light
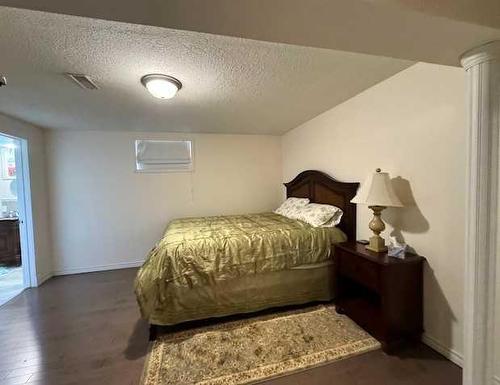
161	86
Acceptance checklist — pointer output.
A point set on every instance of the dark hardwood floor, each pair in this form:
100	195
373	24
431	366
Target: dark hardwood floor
85	329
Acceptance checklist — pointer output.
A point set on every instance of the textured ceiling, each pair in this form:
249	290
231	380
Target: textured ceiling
230	85
434	31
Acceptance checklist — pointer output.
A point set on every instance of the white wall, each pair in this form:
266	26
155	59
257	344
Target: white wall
497	323
39	196
413	126
107	216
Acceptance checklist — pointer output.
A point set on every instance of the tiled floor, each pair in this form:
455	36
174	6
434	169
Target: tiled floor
85	330
11	284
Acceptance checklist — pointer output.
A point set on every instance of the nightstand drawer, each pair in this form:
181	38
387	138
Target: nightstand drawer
359	270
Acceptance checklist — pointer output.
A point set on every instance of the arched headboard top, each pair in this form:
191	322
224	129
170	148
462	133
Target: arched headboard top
322	188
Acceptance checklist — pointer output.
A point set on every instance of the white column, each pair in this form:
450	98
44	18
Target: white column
483	76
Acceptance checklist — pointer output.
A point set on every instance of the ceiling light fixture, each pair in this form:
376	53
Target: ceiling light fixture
161	86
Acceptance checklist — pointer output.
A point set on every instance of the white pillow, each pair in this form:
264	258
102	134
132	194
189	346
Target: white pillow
290	207
317	215
336	218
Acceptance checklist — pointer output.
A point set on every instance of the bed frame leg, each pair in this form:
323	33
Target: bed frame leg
153	332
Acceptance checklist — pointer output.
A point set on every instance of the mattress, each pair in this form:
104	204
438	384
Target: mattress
201	255
247	294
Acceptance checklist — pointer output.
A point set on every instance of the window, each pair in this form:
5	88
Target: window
163	155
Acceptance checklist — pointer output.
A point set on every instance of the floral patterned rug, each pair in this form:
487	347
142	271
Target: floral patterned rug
255	349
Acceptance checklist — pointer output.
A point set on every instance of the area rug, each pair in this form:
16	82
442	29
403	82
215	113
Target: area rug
252	350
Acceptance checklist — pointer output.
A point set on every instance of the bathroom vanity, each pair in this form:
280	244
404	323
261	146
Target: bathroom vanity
10	242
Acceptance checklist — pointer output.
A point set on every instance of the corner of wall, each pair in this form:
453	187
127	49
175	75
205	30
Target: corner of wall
48	191
451	354
43	277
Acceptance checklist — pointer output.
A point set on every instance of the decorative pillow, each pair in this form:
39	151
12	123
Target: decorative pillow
291	206
335	220
320	215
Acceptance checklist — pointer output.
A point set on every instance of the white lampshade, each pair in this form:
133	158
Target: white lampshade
377	191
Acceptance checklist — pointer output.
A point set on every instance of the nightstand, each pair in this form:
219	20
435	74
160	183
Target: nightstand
381	294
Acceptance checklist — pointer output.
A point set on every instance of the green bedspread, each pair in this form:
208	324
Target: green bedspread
196	252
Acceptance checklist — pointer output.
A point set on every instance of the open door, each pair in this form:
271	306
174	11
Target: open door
17	267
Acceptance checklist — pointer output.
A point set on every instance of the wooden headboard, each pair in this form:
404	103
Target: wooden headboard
322	188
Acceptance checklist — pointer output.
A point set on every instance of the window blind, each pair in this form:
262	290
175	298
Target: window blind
163	155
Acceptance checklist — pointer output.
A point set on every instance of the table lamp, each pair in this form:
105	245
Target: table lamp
378	194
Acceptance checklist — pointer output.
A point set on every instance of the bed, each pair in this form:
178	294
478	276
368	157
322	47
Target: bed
224	265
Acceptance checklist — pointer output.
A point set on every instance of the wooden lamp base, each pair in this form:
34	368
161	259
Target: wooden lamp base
377	243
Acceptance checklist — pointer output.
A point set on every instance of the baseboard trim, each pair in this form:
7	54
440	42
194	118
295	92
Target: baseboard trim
91	269
450	354
44	277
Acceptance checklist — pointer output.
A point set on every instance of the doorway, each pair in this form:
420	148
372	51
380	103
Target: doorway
14	261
